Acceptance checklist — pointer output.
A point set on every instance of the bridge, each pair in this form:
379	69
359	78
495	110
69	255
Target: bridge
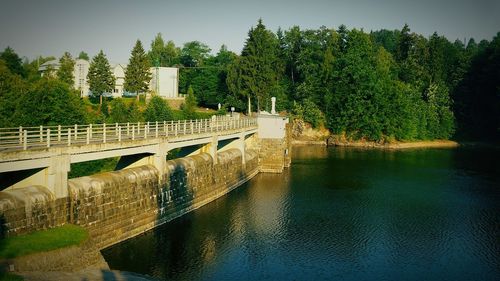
43	155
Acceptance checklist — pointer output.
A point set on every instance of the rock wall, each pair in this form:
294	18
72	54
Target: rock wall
275	153
118	205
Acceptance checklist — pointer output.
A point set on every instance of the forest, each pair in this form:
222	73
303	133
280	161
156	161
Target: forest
381	85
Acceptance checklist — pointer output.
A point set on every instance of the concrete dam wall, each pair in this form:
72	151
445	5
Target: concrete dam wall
115	206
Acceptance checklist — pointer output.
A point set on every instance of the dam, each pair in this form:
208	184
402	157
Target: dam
150	190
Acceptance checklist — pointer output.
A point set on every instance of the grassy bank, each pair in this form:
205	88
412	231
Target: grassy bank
42	241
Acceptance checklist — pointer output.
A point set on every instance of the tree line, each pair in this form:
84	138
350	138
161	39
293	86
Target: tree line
383	85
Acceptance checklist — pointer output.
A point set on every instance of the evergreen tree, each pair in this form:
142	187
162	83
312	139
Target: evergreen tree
157	110
137	75
13	61
134	114
100	78
257	64
83	56
189	107
66	69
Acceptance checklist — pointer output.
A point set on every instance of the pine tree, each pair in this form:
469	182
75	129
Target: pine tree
189	106
100	78
258	61
137	75
66	68
83	56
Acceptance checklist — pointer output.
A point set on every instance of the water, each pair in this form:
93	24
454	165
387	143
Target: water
339	214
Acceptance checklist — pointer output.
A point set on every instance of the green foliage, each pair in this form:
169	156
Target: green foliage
308	112
163	54
12	88
93	167
12	61
157	110
133	113
190	104
66	68
100	78
194	54
256	67
43	241
137	75
50	102
119	111
83	56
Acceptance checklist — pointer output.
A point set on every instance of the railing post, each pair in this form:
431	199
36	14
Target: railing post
119	134
25	140
58	132
104	133
184	127
165	127
146	130
133	132
48	137
138	128
76	131
90	126
69	136
41	133
156	130
147	126
191	126
20	134
175	133
88	135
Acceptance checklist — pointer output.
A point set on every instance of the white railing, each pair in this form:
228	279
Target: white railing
25	138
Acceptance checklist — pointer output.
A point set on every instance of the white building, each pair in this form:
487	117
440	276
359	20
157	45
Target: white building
80	75
118	71
165	81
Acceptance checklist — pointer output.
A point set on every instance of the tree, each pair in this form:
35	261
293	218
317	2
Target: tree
13	61
163	54
157	110
134	114
119	111
66	69
257	64
50	102
189	107
137	75
83	56
100	78
194	53
12	88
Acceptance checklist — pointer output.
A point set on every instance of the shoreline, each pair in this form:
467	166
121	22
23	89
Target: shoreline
395	145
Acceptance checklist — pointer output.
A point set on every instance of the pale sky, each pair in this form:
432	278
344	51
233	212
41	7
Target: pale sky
50	27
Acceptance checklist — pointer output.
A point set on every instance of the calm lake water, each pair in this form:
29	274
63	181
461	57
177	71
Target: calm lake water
339	214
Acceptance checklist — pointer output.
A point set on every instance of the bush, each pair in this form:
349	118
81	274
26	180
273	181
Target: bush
308	112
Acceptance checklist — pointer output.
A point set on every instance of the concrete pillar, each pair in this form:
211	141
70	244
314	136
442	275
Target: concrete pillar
57	175
211	148
242	147
159	158
273	105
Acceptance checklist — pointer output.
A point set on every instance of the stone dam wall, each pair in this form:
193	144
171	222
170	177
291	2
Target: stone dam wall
115	206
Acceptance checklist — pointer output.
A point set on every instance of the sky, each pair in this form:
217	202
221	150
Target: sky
51	27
